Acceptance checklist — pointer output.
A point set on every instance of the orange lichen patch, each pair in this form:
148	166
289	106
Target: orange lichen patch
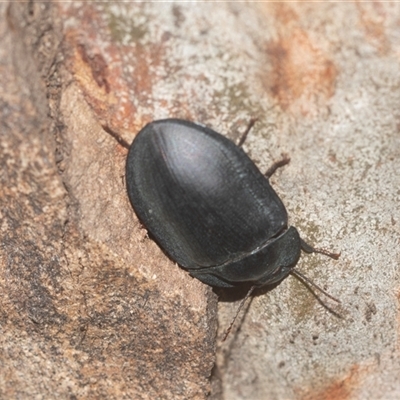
340	389
284	14
97	66
142	83
301	70
103	86
372	20
90	70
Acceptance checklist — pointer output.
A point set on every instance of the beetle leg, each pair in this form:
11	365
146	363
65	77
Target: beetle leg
116	136
246	132
277	164
309	249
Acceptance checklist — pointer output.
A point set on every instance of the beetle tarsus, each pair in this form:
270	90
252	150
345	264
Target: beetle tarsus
277	164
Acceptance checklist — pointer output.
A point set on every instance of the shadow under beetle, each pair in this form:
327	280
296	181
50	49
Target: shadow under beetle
210	208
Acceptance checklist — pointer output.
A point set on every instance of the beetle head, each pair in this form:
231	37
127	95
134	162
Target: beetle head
265	265
281	255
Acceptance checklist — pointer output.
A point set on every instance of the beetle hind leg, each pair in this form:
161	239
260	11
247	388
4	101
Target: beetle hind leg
116	136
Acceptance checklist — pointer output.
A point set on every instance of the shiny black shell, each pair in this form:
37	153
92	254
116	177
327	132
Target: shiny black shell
208	206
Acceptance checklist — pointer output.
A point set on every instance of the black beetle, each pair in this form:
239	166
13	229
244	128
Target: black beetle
209	207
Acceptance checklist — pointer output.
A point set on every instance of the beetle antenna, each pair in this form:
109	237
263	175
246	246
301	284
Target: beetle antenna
311	283
237	312
246	132
309	249
325	252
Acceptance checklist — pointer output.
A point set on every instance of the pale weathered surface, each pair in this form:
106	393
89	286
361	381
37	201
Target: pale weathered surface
91	307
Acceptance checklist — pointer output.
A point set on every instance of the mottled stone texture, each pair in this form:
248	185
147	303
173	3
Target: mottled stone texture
90	307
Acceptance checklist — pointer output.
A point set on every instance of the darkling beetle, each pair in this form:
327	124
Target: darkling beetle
210	208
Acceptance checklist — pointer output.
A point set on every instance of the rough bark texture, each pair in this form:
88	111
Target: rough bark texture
90	307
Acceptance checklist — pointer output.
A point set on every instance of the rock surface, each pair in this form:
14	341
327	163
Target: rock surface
90	307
